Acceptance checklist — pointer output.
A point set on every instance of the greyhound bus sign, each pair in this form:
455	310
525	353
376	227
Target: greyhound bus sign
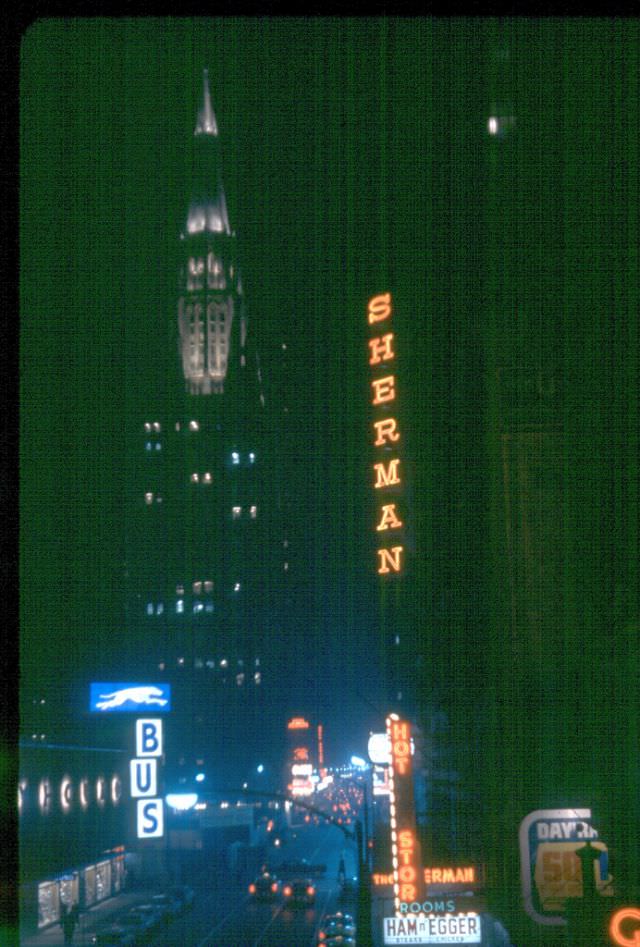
129	698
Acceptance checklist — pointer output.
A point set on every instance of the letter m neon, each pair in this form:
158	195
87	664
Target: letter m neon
387	476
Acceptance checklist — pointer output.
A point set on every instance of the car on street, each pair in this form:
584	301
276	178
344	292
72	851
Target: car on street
332	928
266	887
114	936
338	940
300	892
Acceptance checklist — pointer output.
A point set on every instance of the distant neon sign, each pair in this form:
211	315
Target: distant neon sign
386	473
298	723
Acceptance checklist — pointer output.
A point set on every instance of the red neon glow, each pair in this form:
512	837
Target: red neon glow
298	723
615	927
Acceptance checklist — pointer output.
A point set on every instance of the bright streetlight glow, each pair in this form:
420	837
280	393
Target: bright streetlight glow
181	800
358	761
261	768
200	778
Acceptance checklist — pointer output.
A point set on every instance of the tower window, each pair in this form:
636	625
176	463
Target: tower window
224	663
252	458
180	589
235	457
197	608
206	478
147	426
235	512
236	587
195	478
180	606
148	445
148	498
159	608
158	445
240	679
197	588
208	586
208	607
257	677
149	608
156	426
194	426
253	511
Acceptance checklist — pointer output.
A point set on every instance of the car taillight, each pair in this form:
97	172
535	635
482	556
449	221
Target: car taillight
322	935
287	891
252	889
274	886
311	890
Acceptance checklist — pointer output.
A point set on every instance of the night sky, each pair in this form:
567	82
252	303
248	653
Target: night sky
355	160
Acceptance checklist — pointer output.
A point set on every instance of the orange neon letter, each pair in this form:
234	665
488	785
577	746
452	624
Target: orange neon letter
385	430
389	519
408	892
381	350
384	389
389	560
387	476
624	914
379	308
399	730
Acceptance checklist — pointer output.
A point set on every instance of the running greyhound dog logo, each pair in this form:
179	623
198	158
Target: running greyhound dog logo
135	695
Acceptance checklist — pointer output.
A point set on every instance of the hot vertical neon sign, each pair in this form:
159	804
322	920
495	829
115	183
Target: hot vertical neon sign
408	873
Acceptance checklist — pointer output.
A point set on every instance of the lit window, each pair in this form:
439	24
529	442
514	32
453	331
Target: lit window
197	588
206	478
397	639
208	607
235	457
257	677
252	458
197	607
177	425
198	663
147	426
148	498
156	426
158	446
194	426
179	606
162	666
195	478
210	663
147	446
180	589
149	608
208	586
158	499
224	663
253	510
159	608
240	663
286	567
257	662
286	544
235	512
239	679
181	661
492	125
236	587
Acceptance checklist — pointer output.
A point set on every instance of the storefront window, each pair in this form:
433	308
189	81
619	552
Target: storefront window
48	903
117	873
89	886
103	880
70	889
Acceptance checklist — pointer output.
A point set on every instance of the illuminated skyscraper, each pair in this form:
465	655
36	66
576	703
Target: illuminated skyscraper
198	559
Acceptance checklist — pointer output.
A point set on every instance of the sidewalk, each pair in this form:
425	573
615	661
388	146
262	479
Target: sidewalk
97	917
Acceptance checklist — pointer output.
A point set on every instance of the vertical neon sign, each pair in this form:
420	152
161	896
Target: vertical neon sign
408	873
387	477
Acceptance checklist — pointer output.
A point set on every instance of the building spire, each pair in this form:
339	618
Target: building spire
206	119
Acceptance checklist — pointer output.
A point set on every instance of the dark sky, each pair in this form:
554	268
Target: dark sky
356	160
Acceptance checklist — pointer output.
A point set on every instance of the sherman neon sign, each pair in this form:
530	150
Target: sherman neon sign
386	473
408	872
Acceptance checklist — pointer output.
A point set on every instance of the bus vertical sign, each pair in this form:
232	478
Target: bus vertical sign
408	875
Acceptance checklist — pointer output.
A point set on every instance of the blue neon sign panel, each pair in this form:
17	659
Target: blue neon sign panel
129	698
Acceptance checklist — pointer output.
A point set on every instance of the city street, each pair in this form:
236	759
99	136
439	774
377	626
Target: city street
223	914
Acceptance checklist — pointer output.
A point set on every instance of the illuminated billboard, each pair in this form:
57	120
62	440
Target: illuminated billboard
298	723
408	877
107	697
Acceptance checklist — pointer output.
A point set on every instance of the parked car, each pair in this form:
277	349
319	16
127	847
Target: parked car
335	926
338	940
114	936
300	892
266	887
